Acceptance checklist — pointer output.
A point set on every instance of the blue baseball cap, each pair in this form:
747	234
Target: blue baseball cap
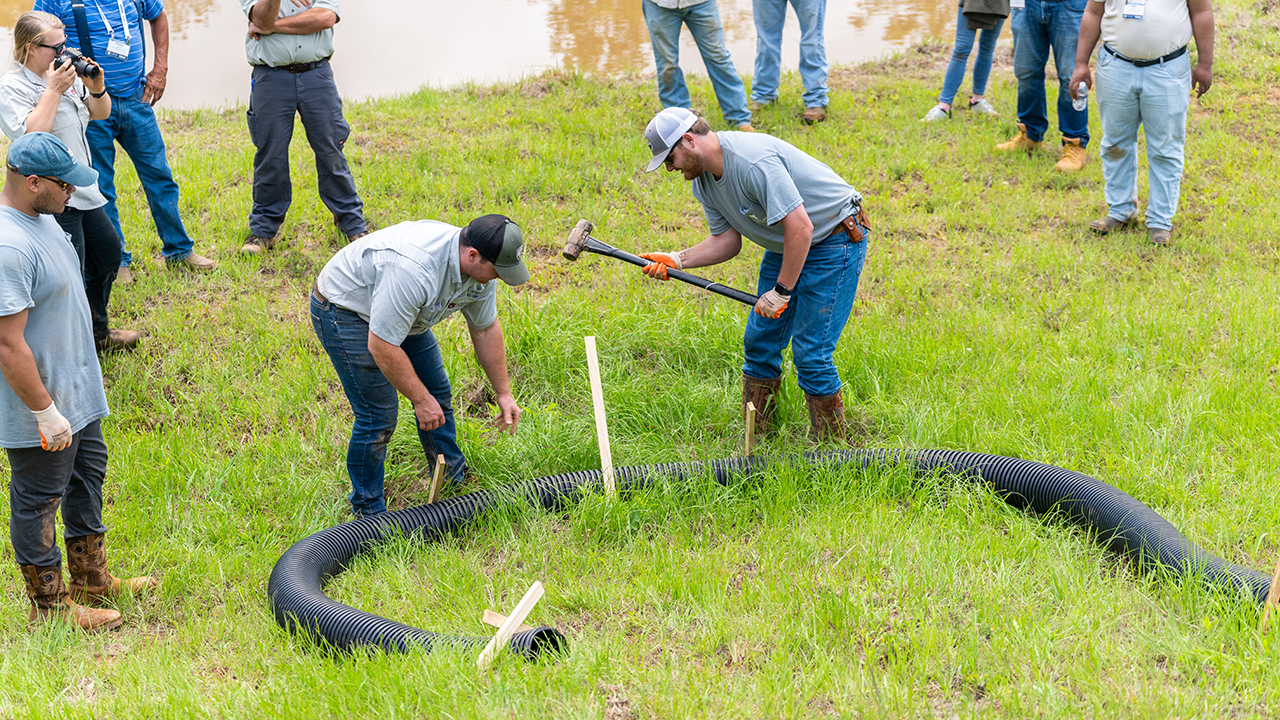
39	153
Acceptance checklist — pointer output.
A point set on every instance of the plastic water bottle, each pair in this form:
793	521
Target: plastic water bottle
1081	102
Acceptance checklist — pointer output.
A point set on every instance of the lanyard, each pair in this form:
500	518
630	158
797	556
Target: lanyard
124	21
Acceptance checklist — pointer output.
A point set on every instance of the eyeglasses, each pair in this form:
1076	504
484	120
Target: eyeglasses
56	48
56	181
670	159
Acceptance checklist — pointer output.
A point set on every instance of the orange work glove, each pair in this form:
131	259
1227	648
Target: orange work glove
55	431
661	261
771	304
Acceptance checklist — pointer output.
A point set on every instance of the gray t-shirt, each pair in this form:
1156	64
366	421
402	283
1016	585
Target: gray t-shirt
1164	27
20	92
40	273
278	49
404	279
764	180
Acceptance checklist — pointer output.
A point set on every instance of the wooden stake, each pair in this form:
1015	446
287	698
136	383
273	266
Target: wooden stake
493	619
1272	596
509	626
436	479
602	427
751	426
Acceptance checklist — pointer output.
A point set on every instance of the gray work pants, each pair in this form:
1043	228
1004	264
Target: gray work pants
276	95
42	481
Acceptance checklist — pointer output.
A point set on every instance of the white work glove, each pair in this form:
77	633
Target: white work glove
660	262
771	304
55	431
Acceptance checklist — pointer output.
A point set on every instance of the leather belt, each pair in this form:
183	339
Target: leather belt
1148	63
299	68
315	292
850	225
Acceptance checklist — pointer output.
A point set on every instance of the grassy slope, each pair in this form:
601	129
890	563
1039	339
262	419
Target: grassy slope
988	319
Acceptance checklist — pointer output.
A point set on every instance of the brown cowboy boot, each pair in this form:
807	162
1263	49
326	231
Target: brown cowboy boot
760	392
49	600
91	582
826	416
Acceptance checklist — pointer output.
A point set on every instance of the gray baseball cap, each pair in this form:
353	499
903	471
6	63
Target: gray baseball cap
664	130
499	240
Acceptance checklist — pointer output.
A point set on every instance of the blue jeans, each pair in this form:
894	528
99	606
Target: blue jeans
375	402
133	124
1042	25
275	96
703	21
769	17
960	58
1157	98
815	316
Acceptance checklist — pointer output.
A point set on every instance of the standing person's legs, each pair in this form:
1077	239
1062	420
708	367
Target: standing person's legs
1116	87
959	59
95	241
374	402
273	101
1166	96
769	16
664	36
320	106
428	365
139	135
82	498
823	299
812	15
1030	53
705	26
101	135
1064	31
766	338
986	54
37	482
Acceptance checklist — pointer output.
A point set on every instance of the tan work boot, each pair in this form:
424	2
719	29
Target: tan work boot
196	262
1020	142
49	601
1073	156
813	115
118	339
256	244
91	582
826	416
760	392
746	127
124	276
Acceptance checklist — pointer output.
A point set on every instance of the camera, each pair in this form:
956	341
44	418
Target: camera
83	67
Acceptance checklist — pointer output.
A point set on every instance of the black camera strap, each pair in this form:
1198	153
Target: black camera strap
82	28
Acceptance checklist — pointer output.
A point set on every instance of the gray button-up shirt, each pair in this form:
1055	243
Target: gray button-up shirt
20	92
279	49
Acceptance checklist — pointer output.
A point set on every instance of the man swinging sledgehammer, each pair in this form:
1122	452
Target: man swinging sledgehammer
813	228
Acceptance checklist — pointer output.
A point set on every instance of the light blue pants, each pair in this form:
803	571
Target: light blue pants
769	16
960	58
1157	98
703	21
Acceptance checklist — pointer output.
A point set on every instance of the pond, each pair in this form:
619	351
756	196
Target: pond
396	46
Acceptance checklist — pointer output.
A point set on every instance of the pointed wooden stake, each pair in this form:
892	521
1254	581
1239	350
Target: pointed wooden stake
751	426
509	626
1272	596
493	619
602	427
436	479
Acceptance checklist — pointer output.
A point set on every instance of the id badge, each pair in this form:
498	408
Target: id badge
119	49
1017	4
1134	9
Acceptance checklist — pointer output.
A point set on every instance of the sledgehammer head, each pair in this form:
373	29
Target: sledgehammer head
577	239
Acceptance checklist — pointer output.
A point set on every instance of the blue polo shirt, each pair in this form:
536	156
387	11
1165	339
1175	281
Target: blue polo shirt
125	77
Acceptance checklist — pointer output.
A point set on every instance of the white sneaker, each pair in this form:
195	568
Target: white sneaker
936	114
982	107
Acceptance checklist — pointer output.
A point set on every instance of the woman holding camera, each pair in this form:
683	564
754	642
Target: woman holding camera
42	93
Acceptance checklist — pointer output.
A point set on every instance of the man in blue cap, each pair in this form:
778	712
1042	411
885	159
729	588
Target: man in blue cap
373	307
52	401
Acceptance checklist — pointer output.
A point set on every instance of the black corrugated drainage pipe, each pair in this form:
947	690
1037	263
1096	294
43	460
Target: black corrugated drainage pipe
1121	522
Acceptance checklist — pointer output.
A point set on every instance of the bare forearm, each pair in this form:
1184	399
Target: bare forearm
713	250
1090	30
491	353
41	117
305	23
264	14
395	365
1202	28
99	107
160	41
795	249
19	368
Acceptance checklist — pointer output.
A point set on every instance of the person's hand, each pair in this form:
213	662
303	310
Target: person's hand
770	305
153	90
258	33
1080	75
508	414
429	414
60	80
98	84
660	262
55	431
1202	79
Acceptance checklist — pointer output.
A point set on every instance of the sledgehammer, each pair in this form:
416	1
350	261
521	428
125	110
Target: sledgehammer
580	239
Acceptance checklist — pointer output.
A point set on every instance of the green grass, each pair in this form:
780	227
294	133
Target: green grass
988	319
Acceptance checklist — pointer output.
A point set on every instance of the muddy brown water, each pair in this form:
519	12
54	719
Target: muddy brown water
384	47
